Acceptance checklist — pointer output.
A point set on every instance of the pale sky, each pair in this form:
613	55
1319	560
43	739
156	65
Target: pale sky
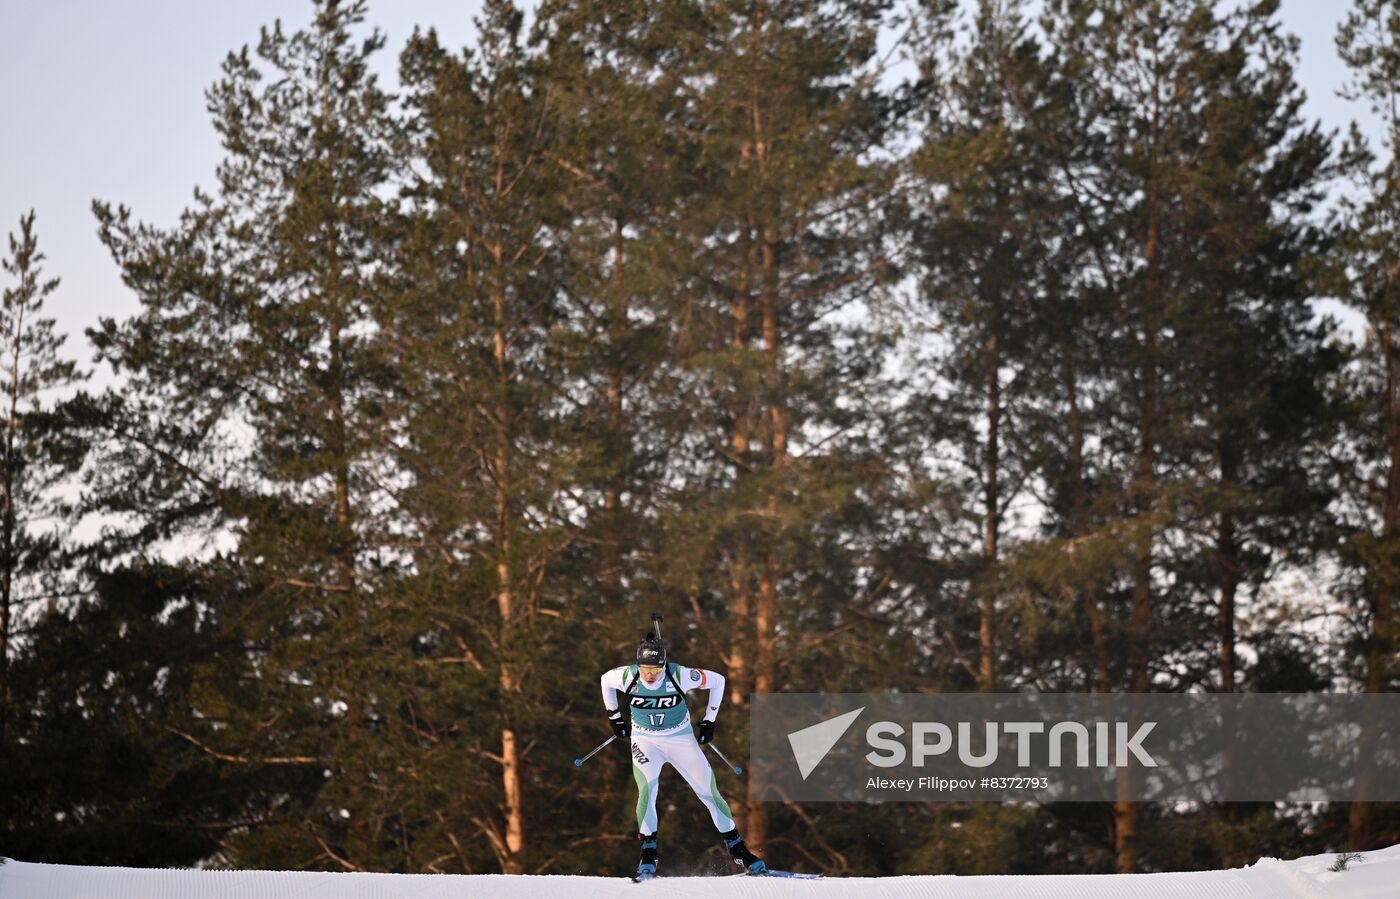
105	100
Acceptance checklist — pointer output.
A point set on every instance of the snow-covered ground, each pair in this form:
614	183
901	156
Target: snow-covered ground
1378	875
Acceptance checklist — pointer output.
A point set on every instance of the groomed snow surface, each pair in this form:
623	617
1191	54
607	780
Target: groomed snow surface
1378	875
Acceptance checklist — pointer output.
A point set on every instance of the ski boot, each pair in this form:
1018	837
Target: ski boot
647	866
741	854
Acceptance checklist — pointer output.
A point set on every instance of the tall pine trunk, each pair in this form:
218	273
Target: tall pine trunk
8	562
741	592
340	450
1227	556
1126	810
1360	825
617	431
986	632
741	605
1079	510
1227	549
766	618
514	813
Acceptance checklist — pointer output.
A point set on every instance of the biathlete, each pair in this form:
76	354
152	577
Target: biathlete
659	727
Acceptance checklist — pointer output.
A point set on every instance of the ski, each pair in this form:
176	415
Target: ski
793	875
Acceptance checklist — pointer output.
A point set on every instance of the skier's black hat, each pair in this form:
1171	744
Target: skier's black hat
651	651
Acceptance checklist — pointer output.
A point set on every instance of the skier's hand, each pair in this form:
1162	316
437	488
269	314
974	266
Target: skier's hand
705	732
621	723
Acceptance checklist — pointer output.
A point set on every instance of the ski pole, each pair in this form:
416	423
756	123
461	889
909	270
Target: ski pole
578	763
725	760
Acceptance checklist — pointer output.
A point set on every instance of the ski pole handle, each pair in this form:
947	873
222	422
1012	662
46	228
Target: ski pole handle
578	763
723	759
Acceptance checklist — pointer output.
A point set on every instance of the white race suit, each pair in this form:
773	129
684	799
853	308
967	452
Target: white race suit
661	735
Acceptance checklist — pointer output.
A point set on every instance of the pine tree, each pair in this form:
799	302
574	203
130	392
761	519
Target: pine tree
35	457
627	174
250	405
488	429
106	685
1261	358
785	230
1367	271
988	235
1191	180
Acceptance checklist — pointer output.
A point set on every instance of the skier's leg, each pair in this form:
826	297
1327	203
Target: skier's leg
650	856
740	852
686	756
646	769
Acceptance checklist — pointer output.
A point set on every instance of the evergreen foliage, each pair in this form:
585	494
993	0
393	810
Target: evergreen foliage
1365	274
1007	377
35	456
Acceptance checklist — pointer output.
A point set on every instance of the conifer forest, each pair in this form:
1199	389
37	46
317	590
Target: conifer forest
925	346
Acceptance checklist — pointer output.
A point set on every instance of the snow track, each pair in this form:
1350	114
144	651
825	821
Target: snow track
1305	878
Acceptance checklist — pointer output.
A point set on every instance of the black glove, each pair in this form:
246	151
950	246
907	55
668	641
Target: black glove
705	732
621	723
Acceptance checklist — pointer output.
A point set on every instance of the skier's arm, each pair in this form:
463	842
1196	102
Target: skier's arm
701	678
715	681
611	683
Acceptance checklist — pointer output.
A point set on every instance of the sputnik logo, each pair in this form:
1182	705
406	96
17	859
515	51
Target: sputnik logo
811	744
